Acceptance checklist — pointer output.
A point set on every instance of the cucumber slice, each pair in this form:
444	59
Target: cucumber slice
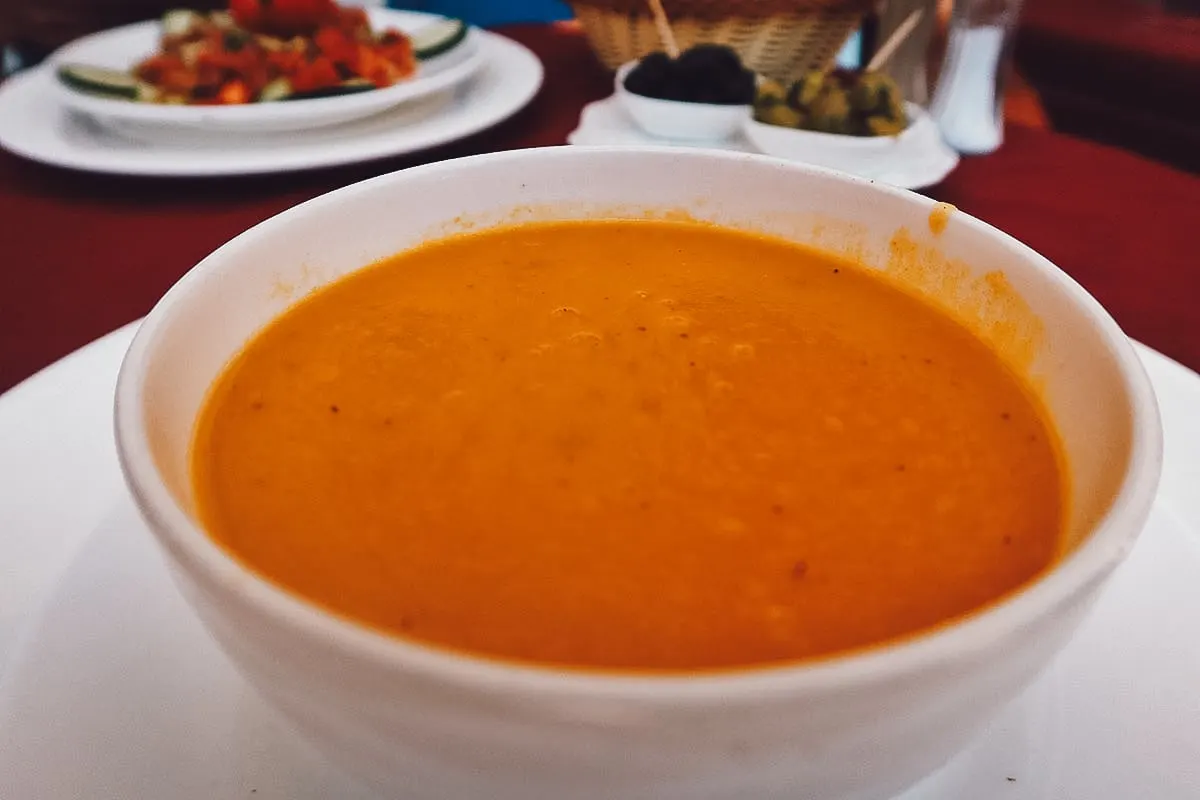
147	93
99	80
179	21
437	38
352	86
278	89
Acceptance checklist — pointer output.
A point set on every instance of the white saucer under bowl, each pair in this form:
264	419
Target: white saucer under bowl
111	690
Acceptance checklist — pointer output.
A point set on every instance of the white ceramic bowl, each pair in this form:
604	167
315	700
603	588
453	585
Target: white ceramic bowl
673	119
424	723
919	145
121	48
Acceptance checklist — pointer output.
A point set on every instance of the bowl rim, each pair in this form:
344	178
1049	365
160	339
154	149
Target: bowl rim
1109	541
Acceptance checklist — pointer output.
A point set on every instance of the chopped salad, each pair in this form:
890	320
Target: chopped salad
267	50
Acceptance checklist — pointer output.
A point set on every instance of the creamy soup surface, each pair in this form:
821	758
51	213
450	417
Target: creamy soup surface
639	445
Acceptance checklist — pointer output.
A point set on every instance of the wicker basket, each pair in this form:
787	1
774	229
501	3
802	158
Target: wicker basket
781	39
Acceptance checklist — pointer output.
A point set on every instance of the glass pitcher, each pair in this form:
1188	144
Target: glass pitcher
968	98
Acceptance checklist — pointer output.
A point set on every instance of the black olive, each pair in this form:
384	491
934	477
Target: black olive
744	88
702	58
705	73
725	90
657	62
658	58
640	83
651	75
672	88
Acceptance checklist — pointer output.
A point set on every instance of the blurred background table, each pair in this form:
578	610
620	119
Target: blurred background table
1124	72
82	254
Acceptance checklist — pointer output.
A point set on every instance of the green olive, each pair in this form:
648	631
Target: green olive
870	92
885	126
805	91
780	114
770	92
830	111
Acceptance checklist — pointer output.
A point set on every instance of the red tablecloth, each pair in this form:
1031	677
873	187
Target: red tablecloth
81	254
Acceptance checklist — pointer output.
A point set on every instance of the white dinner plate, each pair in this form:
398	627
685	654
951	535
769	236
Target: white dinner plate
35	126
112	691
919	160
122	48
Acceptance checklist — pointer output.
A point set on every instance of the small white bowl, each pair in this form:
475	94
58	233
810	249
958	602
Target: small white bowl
859	155
674	119
424	723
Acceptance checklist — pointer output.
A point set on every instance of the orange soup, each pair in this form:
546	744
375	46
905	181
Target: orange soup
629	445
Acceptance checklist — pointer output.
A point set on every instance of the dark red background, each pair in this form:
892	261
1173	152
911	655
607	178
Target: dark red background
82	254
1123	72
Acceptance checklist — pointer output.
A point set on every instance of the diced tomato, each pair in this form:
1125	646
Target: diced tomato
353	21
283	17
207	79
247	13
400	54
305	9
167	72
234	93
314	44
287	61
319	74
154	67
336	45
223	59
369	65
